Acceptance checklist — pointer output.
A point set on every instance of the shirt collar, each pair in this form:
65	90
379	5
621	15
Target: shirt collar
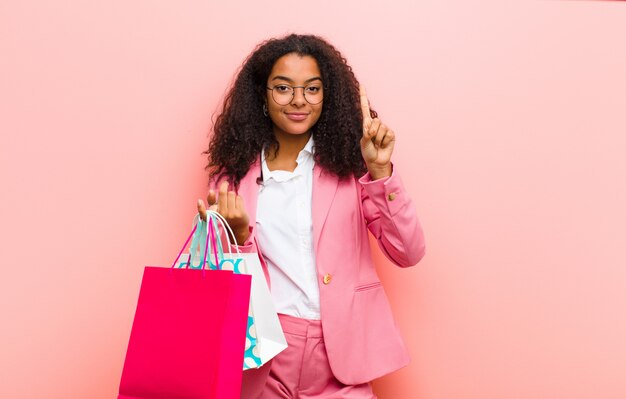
308	147
281	175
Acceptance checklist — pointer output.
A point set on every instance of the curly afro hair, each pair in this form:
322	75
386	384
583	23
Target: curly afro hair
241	130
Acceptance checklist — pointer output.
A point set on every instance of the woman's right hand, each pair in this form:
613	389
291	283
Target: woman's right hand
231	207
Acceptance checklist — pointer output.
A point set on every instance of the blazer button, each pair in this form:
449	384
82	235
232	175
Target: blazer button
327	278
391	196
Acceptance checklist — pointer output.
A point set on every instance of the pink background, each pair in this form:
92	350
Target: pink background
510	120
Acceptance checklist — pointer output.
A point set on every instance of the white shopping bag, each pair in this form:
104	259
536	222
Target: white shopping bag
265	338
270	337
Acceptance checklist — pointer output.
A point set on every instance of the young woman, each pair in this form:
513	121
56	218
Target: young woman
302	169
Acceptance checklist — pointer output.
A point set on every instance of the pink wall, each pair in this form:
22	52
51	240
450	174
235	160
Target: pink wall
510	122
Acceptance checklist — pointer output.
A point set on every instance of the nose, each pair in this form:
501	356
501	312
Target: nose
298	96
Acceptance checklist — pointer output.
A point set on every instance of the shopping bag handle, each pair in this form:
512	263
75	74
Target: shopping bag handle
227	229
197	222
195	227
212	236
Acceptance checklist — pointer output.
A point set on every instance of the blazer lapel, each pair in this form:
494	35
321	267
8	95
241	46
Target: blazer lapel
324	189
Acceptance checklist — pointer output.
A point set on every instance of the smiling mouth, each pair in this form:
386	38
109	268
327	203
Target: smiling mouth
297	116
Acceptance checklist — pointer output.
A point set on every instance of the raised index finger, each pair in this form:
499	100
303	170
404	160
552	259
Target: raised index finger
365	104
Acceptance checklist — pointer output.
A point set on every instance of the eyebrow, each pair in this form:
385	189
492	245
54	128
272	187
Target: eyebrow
279	77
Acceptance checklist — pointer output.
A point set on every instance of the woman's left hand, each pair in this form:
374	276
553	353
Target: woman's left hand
377	142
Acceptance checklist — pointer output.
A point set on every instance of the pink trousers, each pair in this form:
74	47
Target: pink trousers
301	371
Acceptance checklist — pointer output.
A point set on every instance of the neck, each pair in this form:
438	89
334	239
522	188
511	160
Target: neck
290	147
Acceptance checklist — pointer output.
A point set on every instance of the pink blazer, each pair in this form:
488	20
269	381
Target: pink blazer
360	334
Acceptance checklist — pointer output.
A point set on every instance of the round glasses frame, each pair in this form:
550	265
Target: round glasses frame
293	94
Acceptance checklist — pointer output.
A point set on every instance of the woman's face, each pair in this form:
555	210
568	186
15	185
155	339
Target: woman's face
294	115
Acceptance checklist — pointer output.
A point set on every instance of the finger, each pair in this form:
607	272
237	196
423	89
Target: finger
239	204
365	142
231	203
366	127
211	199
380	135
222	198
390	137
201	209
373	129
365	104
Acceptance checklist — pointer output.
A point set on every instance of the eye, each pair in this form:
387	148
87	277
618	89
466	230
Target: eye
313	89
282	88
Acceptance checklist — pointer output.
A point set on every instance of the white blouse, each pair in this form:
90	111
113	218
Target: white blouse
285	232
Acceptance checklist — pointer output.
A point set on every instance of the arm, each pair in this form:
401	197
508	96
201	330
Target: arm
387	209
391	217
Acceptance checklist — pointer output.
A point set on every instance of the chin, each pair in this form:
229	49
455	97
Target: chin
299	131
295	130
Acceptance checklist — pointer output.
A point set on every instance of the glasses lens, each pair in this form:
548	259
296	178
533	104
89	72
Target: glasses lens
284	94
314	94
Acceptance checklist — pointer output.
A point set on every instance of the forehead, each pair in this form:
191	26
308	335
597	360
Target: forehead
296	67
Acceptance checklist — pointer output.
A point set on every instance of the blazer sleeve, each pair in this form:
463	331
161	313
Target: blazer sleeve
391	217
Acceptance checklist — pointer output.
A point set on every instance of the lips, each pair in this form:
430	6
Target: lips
296	116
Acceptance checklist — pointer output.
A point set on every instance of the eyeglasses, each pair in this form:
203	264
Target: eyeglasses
283	94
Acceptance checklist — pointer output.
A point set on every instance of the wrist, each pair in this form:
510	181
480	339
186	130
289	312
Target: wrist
379	172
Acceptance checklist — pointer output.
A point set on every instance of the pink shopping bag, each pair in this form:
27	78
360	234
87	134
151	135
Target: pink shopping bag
188	335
